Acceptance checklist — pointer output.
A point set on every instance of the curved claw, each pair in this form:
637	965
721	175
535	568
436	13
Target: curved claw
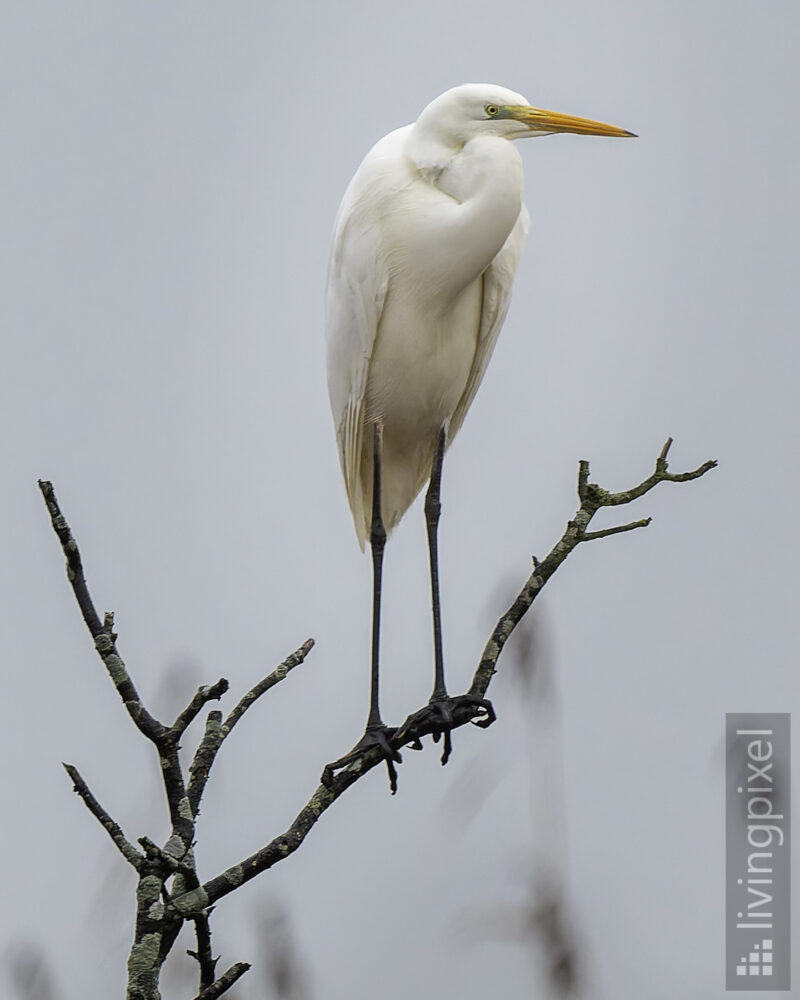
441	716
483	704
375	737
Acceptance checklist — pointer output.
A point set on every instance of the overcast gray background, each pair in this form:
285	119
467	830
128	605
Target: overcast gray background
171	174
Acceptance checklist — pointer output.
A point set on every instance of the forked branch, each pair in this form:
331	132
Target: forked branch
592	498
161	911
173	862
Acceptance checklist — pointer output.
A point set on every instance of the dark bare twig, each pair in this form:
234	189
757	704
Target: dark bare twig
583	479
224	983
605	532
104	638
217	731
278	674
113	829
203	696
203	759
204	955
592	498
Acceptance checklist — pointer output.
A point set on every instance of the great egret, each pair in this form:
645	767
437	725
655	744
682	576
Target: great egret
425	247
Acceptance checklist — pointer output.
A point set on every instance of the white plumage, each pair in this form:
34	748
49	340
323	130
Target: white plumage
425	249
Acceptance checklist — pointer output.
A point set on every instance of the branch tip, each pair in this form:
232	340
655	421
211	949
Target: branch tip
224	983
113	829
583	479
589	536
204	694
142	719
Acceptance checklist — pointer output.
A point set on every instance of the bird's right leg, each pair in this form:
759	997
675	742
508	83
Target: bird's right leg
376	734
377	541
443	712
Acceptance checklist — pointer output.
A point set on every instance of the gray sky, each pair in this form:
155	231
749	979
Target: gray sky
171	174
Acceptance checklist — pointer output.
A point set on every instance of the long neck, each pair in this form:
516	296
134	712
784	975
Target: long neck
483	182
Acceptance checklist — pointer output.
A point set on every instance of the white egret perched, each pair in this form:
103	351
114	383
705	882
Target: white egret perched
425	248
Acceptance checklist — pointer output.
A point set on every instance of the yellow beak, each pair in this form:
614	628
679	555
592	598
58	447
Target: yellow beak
539	120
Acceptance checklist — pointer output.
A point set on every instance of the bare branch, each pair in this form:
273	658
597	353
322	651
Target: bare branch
75	573
155	853
203	759
589	535
104	638
278	674
605	499
204	956
180	815
217	731
191	903
159	917
594	497
583	479
281	847
202	696
224	983
113	829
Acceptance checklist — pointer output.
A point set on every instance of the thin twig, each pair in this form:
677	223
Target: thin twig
112	828
589	535
278	674
104	637
202	696
217	731
224	983
592	498
204	956
583	479
175	787
203	759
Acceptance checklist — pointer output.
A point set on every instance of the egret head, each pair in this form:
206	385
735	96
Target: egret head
476	109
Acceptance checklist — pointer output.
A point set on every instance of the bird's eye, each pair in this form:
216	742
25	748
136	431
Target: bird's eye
491	110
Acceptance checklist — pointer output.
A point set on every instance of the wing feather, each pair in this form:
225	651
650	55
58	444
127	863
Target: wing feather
357	283
498	280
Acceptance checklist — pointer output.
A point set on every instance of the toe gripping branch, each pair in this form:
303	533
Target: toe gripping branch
378	742
437	719
441	716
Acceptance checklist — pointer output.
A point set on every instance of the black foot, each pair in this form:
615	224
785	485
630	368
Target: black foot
375	737
440	716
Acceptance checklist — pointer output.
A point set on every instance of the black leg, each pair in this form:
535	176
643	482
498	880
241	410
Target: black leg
377	540
443	713
433	510
376	735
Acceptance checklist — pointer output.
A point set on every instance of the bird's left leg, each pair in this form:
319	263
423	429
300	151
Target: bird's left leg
377	734
442	713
